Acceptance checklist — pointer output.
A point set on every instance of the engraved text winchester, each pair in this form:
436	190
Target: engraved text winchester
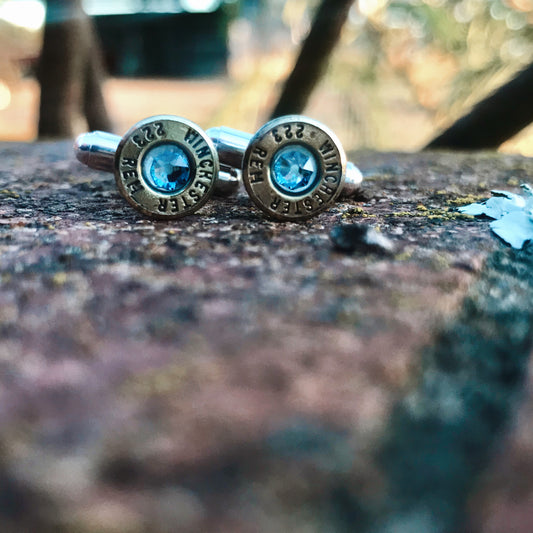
187	198
327	188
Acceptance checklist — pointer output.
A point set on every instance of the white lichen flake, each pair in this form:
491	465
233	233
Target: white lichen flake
513	215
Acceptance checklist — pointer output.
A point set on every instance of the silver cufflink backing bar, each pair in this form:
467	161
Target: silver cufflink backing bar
293	167
165	166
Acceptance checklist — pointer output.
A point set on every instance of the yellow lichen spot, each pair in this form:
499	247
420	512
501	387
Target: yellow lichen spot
404	256
440	262
432	214
11	194
468	199
354	212
168	379
402	214
59	279
513	182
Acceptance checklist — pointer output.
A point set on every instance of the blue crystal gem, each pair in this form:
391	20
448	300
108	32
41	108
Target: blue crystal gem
294	169
166	168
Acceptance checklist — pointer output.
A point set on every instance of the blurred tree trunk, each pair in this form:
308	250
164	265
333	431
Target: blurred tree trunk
314	55
70	72
493	120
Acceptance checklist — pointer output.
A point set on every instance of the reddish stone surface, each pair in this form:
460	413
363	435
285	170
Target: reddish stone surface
171	376
504	501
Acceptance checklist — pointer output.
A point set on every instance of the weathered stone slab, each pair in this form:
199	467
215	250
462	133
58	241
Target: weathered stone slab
226	373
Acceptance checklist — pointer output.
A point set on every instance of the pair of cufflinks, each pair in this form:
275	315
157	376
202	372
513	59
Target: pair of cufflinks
167	167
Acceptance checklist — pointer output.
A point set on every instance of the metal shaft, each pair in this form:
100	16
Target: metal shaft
231	145
97	150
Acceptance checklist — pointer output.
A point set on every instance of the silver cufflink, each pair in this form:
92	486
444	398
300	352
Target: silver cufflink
293	167
165	166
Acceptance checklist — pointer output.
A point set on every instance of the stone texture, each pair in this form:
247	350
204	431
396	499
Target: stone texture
226	373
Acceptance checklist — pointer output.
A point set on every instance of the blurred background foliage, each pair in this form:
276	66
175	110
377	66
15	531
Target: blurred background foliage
403	69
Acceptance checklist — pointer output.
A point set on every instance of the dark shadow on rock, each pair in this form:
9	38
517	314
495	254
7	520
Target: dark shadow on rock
442	434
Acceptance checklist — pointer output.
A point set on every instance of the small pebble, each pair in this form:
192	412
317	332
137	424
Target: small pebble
360	238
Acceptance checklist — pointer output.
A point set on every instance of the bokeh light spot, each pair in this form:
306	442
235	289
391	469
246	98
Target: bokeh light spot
5	96
27	14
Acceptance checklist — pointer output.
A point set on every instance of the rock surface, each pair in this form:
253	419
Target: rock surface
226	373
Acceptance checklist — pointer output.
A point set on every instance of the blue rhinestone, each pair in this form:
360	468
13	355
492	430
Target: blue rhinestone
166	168
294	169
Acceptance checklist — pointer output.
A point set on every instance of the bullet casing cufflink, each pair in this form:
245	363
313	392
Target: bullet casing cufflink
165	166
293	167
